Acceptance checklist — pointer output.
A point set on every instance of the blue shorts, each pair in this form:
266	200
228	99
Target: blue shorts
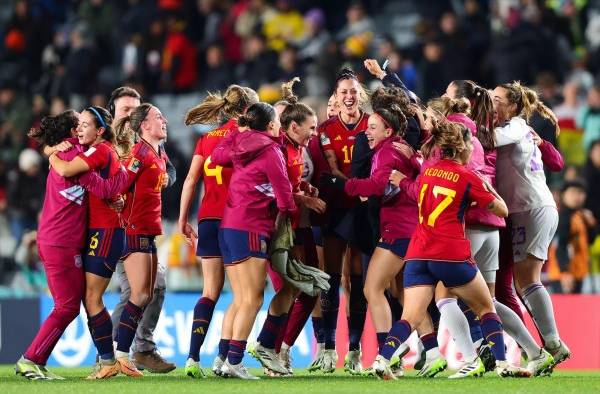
208	238
105	246
397	246
318	236
238	245
428	273
140	244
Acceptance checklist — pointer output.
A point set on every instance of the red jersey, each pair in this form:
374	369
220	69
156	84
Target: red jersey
147	172
336	136
295	167
104	159
216	178
446	190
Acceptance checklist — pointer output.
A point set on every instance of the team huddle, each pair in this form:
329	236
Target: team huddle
421	213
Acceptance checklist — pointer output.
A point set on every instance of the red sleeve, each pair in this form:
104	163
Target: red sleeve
277	174
96	157
198	151
478	192
551	157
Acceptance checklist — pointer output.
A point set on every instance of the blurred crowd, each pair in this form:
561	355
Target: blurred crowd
58	54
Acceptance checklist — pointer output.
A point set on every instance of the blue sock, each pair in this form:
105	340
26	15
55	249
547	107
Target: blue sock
358	312
474	323
317	323
270	330
203	312
398	334
128	326
223	348
236	352
381	336
492	329
429	340
330	304
101	328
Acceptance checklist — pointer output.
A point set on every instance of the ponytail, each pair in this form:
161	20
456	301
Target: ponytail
528	103
482	110
294	111
124	137
216	107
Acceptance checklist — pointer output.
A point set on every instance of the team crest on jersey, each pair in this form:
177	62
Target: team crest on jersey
78	261
338	138
324	139
134	165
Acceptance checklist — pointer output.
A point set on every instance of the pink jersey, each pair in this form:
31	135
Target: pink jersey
64	216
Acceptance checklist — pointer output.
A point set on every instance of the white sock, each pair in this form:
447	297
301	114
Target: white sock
120	354
538	300
432	354
514	326
458	326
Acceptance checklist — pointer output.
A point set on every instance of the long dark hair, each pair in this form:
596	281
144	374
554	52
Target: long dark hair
258	116
482	110
55	129
103	118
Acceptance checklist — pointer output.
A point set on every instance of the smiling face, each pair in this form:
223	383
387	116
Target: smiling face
377	131
154	126
303	132
347	96
503	110
87	132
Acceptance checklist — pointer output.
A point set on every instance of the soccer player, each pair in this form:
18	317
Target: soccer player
106	236
398	213
337	136
299	123
146	168
439	249
533	215
122	102
225	111
61	236
259	180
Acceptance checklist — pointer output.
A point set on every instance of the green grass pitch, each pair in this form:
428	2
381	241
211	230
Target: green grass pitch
302	382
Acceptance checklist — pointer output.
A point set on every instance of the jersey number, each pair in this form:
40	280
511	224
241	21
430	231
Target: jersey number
448	194
216	172
347	153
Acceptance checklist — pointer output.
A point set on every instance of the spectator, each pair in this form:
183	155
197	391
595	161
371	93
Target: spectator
568	258
592	202
311	46
217	72
26	193
179	62
252	18
456	56
284	26
432	79
30	277
570	139
15	117
152	49
588	117
80	66
259	62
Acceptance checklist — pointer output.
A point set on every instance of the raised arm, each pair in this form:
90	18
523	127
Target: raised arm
68	168
104	188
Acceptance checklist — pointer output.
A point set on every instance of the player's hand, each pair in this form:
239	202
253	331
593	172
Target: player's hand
404	149
315	204
312	191
396	177
590	220
63	146
188	232
117	204
165	181
374	68
537	140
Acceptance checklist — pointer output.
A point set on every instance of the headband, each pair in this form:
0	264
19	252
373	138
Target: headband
102	122
385	122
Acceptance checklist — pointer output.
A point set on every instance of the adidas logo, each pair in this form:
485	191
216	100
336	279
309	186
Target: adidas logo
391	343
199	330
338	138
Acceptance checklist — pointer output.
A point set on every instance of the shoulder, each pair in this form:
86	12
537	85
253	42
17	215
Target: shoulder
329	124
